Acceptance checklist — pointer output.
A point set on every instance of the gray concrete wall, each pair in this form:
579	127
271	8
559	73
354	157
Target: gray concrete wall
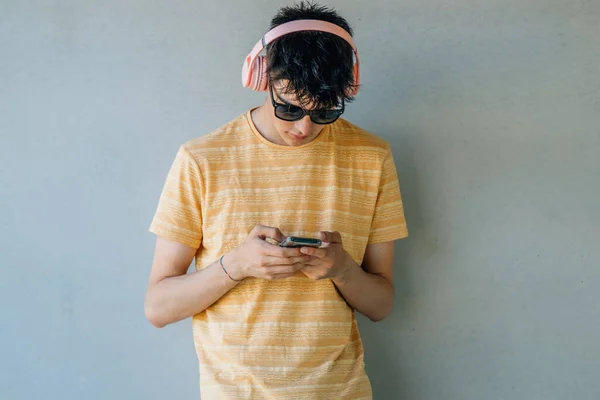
493	113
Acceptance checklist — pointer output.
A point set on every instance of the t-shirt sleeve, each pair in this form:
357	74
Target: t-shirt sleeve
178	216
388	221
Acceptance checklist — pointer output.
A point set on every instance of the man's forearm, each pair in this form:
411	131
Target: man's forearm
179	297
371	295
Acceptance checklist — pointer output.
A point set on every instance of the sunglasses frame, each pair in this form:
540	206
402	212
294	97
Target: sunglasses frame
304	112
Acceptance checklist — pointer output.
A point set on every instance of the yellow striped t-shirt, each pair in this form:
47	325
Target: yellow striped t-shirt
291	338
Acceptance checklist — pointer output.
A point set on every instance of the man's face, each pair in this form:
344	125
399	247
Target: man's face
295	133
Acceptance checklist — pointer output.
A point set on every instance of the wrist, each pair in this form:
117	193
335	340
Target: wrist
347	269
232	266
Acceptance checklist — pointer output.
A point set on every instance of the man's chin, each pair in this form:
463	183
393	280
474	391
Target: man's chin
294	140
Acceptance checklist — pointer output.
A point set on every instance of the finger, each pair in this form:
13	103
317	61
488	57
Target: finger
277	251
271	260
315	261
281	276
312	264
330	237
264	232
314	252
289	268
282	269
272	241
336	237
309	271
324	236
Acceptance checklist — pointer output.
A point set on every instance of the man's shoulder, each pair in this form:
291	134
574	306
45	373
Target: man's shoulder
224	136
349	135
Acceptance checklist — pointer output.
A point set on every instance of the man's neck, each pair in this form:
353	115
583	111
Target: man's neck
263	127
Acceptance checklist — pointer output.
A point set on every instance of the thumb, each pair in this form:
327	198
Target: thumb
324	237
268	232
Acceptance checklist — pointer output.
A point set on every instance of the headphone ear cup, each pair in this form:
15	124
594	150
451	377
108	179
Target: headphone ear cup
260	79
252	74
355	71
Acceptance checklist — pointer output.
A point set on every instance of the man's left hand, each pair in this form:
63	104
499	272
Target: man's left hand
329	261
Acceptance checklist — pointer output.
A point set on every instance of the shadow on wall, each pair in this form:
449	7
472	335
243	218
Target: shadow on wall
385	355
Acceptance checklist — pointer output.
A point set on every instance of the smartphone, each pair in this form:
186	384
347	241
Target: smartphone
294	241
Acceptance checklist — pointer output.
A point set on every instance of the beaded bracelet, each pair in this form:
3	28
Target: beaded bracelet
221	262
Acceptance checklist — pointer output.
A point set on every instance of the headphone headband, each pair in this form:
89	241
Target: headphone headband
290	27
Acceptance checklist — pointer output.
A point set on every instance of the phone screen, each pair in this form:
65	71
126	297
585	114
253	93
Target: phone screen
294	241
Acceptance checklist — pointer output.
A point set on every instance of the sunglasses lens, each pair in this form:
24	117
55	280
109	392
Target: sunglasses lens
289	112
326	116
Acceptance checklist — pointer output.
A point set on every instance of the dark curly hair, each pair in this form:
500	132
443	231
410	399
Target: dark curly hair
316	65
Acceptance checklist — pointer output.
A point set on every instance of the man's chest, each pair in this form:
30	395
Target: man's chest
300	196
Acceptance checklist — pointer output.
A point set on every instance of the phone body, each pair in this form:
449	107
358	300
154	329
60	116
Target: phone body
294	241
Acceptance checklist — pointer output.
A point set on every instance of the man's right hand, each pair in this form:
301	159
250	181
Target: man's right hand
256	257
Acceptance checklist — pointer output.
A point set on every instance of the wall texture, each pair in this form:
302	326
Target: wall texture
493	113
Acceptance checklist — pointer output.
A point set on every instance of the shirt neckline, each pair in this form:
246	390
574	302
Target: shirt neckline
324	133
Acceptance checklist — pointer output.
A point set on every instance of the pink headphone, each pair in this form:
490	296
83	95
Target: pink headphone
254	70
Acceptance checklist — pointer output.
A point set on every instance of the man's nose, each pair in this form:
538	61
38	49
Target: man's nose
304	125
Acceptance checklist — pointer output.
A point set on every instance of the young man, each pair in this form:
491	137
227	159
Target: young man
270	321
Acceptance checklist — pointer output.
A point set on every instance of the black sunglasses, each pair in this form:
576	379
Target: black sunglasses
289	112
